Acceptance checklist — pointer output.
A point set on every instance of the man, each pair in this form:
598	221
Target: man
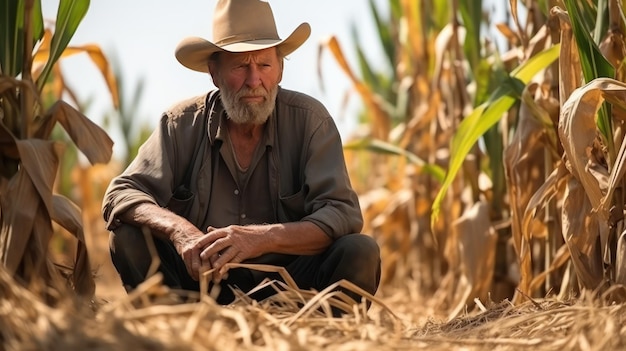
248	173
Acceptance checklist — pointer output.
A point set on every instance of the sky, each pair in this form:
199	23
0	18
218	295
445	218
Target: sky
141	36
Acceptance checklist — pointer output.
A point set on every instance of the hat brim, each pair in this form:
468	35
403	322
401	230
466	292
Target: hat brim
194	52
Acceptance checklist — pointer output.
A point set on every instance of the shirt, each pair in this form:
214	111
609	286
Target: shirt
307	175
243	194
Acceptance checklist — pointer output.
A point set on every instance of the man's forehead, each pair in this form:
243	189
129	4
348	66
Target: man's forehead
252	56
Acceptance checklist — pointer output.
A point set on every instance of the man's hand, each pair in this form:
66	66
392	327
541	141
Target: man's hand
189	245
232	244
186	238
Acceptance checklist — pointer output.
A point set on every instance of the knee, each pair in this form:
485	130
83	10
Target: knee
360	248
127	242
124	236
358	260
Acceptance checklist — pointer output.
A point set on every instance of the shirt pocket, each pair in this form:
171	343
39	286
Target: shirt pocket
292	206
181	200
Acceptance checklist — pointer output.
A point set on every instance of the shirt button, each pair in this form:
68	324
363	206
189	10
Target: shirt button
236	191
243	215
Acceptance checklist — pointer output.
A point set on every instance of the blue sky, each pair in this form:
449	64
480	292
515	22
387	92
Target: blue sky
141	36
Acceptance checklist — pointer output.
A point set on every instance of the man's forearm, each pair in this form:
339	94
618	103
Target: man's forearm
161	222
234	244
299	238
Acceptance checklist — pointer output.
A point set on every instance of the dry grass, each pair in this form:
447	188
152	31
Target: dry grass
155	318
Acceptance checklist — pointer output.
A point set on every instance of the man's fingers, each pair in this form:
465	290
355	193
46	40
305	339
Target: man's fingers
188	264
206	263
195	263
213	259
212	236
215	266
219	262
214	249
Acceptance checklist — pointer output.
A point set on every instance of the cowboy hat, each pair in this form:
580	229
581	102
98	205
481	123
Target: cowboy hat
239	26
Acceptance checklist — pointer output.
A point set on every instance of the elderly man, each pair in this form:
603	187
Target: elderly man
248	173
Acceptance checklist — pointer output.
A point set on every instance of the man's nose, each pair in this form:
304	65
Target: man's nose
253	78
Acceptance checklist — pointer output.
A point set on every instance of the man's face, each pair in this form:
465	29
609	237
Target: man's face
248	83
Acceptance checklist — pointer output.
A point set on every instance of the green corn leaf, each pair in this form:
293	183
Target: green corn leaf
587	14
384	34
601	22
471	13
544	7
368	75
441	15
37	22
11	36
381	147
69	16
396	9
488	114
594	64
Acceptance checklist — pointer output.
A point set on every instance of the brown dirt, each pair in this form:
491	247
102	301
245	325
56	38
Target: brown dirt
108	284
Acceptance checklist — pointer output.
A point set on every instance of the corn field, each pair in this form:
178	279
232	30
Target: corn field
498	172
489	161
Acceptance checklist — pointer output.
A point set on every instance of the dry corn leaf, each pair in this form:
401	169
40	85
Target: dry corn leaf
612	48
570	69
92	140
525	158
620	259
508	33
16	203
520	31
578	134
581	229
93	51
11	83
475	245
415	33
561	257
67	214
27	216
552	189
380	125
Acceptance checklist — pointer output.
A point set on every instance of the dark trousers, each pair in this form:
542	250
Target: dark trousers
354	257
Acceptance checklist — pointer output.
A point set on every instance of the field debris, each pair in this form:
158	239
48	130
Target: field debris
156	318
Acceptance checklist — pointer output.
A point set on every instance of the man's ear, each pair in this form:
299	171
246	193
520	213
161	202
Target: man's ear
280	75
214	81
212	72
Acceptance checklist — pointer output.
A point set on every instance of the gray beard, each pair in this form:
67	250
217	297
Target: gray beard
242	113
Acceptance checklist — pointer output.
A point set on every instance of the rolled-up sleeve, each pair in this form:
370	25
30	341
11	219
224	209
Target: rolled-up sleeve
148	179
331	202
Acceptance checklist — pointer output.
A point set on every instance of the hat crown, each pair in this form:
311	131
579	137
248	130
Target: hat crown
237	21
239	26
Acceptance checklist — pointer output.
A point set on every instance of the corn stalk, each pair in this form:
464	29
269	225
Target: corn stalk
531	140
29	158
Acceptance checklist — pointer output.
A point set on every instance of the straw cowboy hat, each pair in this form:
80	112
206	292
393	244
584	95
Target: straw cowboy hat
239	26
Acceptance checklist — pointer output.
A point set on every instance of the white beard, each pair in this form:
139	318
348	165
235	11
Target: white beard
244	113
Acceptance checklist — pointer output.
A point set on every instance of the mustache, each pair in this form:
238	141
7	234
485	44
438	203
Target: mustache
252	92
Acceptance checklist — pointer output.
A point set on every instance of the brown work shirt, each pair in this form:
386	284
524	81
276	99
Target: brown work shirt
303	158
243	193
